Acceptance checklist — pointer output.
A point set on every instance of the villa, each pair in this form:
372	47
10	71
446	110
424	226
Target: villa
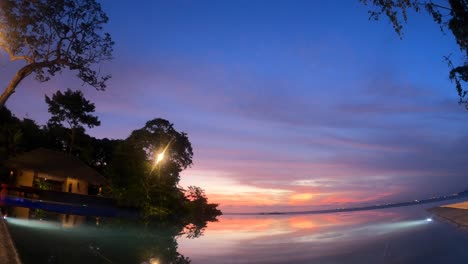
55	171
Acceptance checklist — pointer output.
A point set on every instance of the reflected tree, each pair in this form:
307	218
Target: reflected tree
109	240
194	230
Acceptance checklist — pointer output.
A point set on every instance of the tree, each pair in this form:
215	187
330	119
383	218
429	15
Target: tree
196	194
10	135
17	136
198	205
135	181
452	15
155	136
102	151
133	175
33	136
73	109
52	35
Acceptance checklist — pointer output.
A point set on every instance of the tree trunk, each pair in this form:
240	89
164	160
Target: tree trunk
10	89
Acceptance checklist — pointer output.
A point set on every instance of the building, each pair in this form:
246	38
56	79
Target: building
56	171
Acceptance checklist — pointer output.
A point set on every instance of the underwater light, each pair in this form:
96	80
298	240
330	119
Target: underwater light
428	219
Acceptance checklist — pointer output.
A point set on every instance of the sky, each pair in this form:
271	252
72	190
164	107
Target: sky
289	105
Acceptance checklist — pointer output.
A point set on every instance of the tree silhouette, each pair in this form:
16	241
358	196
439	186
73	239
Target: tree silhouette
73	109
134	176
52	35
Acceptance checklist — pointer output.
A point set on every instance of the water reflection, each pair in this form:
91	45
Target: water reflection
65	220
46	237
380	236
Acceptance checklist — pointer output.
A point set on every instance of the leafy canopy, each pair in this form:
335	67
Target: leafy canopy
51	35
72	108
134	177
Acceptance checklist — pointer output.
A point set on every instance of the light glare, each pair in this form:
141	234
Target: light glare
154	261
159	157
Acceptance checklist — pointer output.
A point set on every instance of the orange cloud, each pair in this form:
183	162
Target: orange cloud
353	197
301	198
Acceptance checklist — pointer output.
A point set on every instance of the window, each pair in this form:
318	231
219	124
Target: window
70	187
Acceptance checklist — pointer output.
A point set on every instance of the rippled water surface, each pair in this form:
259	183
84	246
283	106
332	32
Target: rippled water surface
398	235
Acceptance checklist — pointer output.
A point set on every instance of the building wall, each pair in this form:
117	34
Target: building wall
25	178
76	186
48	176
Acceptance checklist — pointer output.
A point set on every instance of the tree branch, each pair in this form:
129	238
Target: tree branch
439	6
14	57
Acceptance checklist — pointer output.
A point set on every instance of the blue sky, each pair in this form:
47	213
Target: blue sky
288	104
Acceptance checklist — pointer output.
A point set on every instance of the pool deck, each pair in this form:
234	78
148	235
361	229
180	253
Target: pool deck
454	213
8	254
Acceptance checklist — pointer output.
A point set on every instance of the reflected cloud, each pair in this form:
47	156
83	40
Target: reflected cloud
299	237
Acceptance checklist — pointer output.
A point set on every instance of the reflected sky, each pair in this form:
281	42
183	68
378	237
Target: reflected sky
385	236
395	235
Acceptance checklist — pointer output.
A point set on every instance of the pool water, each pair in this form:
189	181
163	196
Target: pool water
397	235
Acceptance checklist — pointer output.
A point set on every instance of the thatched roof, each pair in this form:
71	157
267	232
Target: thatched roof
56	164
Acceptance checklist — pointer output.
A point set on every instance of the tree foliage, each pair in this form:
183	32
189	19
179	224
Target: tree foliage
17	136
198	202
52	35
136	179
10	134
128	164
73	109
451	15
156	136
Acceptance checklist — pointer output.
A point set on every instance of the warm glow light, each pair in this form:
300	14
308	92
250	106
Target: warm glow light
154	261
159	157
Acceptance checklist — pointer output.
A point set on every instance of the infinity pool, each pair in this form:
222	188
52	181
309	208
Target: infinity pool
398	235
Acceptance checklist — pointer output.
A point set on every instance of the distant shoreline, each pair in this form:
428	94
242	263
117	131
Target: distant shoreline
363	208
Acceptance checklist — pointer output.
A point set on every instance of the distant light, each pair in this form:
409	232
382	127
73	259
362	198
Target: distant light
5	217
429	219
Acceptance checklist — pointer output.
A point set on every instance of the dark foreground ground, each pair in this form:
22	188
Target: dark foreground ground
457	216
8	254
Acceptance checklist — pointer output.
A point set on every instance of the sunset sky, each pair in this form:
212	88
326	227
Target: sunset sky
289	105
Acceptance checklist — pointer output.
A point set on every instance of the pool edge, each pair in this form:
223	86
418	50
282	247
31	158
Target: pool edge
10	255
